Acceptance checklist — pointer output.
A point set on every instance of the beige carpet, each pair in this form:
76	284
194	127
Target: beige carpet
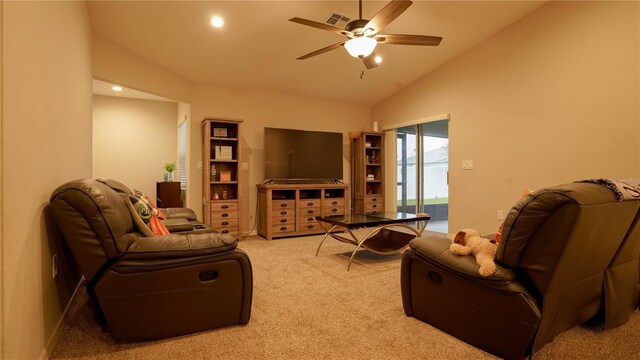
308	307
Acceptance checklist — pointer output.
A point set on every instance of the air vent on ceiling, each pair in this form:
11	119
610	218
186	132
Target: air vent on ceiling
338	20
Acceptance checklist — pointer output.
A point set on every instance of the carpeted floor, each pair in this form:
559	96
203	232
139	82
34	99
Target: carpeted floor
308	307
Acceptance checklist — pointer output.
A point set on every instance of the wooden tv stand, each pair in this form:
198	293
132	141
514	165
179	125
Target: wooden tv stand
290	209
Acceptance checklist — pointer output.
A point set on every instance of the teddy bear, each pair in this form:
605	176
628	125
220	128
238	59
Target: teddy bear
469	242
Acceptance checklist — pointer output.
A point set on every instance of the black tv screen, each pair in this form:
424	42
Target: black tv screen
299	154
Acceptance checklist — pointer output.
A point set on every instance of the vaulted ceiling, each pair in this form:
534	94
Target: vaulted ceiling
257	47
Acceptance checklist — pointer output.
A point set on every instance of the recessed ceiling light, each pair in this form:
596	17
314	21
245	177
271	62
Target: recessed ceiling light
378	59
217	21
116	88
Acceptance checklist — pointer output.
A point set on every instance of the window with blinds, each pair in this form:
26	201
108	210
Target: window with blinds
182	155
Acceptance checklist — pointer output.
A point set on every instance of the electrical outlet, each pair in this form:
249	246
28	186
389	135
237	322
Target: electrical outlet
500	214
54	266
467	165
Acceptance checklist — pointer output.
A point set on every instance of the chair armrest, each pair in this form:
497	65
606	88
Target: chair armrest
177	224
179	246
436	250
179	213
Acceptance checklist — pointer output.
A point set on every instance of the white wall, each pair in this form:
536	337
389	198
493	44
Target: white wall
553	98
133	139
46	141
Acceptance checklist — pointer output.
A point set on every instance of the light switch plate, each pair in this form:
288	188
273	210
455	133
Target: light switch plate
199	164
244	165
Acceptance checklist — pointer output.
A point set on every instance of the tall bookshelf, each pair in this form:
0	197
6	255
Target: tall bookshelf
221	175
369	173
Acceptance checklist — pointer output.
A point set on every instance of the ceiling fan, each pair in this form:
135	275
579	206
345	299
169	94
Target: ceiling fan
364	34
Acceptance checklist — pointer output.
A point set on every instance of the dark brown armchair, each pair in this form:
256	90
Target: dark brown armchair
151	287
568	254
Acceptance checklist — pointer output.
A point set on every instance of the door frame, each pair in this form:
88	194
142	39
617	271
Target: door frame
391	162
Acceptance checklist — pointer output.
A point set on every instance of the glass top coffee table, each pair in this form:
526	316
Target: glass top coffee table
382	239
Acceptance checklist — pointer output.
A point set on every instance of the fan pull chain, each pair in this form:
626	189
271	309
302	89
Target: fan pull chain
362	75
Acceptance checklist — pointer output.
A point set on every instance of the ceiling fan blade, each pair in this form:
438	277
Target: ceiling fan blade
402	39
322	51
320	26
370	61
388	13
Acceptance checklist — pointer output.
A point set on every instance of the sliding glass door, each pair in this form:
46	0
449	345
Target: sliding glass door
422	171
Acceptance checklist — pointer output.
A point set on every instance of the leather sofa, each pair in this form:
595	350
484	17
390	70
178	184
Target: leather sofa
568	255
178	220
150	287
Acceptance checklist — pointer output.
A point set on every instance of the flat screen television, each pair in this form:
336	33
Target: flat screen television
302	155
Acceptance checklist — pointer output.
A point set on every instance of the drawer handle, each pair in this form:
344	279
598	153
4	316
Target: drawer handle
334	203
309	226
374	199
310	218
225	206
283	228
283	204
225	215
225	231
283	220
225	223
309	204
309	211
374	206
283	212
334	210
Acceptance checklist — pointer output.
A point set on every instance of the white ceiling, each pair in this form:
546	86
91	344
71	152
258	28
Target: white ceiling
257	48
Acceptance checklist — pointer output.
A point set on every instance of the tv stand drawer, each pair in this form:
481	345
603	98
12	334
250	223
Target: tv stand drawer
278	229
309	203
334	202
283	204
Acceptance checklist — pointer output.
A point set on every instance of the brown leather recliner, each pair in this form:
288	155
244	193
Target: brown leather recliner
151	287
568	254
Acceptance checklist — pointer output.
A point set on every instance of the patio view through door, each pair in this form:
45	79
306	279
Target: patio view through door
423	165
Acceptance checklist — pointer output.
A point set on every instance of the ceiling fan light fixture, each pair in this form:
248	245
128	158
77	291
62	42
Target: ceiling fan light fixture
361	46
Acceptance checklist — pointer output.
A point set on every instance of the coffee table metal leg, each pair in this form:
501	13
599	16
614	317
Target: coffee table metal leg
327	233
360	242
374	232
423	227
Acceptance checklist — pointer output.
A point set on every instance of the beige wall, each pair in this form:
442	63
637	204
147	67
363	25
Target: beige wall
552	98
46	141
258	109
133	139
113	63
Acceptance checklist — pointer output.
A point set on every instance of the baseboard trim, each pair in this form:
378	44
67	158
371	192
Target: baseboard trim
53	340
250	233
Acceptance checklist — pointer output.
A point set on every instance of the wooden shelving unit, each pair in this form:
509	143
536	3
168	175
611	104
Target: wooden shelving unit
291	209
221	198
368	183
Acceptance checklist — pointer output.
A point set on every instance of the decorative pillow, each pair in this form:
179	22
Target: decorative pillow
144	198
146	215
137	219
